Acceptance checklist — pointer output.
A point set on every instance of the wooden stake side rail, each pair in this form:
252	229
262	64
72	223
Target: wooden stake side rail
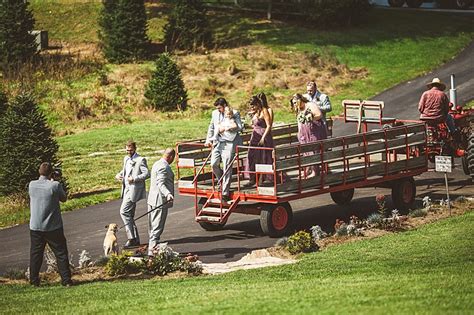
360	160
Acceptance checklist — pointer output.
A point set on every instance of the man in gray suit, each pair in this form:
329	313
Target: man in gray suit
222	148
161	192
46	225
133	175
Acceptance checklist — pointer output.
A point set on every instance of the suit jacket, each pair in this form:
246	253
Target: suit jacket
45	196
139	173
161	184
216	118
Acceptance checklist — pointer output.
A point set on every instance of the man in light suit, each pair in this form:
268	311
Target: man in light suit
222	148
321	99
133	175
161	192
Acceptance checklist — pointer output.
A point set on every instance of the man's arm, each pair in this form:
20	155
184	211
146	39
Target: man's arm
119	175
210	130
238	121
144	173
61	192
325	105
161	181
421	103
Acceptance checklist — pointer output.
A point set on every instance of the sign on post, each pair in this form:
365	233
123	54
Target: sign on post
444	164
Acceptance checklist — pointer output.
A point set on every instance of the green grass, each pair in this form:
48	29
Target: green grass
393	46
425	271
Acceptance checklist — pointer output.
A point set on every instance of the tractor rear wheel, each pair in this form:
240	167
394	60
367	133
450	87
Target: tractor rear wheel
403	194
468	158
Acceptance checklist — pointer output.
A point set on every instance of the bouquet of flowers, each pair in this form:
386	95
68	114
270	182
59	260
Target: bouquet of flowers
305	116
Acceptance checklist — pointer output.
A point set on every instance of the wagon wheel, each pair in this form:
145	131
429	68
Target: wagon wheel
403	194
396	3
342	197
414	3
208	226
275	220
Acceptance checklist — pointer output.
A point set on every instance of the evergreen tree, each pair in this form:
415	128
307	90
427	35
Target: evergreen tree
26	142
123	27
16	42
188	27
3	103
165	89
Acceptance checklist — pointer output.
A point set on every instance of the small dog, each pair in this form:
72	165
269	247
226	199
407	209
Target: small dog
110	241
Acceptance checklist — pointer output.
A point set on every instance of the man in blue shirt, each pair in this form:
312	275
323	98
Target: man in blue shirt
46	225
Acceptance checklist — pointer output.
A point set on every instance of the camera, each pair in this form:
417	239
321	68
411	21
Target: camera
57	173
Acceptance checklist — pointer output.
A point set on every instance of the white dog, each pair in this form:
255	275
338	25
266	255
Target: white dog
110	241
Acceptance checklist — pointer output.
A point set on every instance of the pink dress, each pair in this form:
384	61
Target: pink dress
310	132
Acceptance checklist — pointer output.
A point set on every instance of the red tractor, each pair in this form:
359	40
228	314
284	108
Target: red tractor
441	142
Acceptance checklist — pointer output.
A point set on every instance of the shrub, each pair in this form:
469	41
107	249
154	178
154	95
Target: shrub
164	261
121	264
15	274
282	242
123	27
328	13
301	242
381	205
165	89
3	103
16	42
188	27
26	142
418	213
317	233
375	219
102	261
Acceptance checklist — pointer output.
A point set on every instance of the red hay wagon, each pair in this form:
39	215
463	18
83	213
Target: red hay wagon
389	157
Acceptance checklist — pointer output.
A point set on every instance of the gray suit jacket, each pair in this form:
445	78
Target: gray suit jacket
161	184
45	196
216	118
139	173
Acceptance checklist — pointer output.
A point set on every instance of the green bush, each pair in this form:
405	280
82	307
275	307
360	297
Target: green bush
16	42
15	274
188	27
26	142
301	242
3	103
121	265
330	13
123	27
418	213
165	90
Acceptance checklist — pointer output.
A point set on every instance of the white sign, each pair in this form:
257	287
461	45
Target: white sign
443	164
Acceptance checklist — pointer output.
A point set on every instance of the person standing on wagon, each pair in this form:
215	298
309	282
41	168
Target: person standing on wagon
321	100
223	147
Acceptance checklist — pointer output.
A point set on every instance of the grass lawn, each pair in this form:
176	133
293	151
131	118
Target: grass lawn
429	271
392	47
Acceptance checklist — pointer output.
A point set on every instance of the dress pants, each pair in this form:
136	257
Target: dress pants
156	225
127	212
57	242
223	150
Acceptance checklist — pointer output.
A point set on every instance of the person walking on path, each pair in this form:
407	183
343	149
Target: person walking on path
161	192
222	147
133	175
46	224
262	122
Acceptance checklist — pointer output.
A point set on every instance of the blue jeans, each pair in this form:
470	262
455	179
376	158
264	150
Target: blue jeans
450	123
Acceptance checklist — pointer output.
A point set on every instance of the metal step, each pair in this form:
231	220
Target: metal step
206	218
217	201
214	210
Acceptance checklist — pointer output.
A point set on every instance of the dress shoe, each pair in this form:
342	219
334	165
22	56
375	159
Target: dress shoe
225	198
132	242
68	284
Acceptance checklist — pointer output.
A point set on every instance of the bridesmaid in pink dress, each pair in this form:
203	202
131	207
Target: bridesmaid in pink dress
262	121
310	126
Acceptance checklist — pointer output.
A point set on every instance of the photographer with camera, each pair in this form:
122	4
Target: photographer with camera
46	225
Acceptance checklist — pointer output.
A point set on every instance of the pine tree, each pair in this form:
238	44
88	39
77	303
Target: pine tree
26	142
17	44
165	89
123	27
3	102
188	27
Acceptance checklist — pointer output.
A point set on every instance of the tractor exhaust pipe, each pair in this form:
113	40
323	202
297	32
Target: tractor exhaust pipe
452	92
